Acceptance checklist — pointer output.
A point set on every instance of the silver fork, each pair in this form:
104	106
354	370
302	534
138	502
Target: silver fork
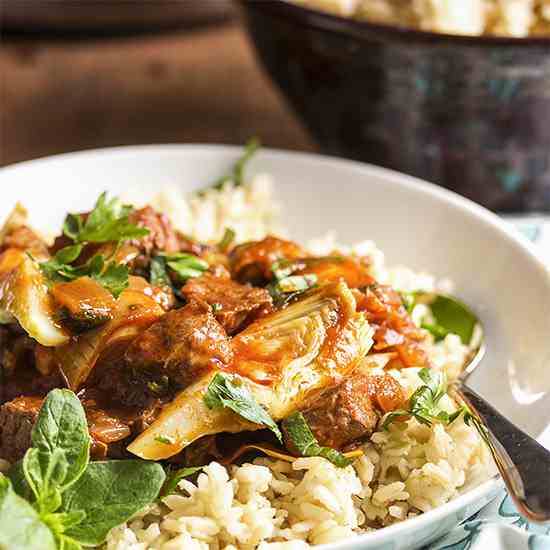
523	463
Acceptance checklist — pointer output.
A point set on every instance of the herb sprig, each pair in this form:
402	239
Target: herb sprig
424	405
107	222
230	391
301	439
55	498
236	174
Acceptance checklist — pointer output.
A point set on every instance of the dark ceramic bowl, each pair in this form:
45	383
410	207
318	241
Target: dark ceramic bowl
469	113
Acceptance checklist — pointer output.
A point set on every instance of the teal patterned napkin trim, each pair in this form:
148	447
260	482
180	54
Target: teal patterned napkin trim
499	526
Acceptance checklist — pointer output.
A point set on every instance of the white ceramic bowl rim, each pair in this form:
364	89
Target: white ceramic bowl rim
491	486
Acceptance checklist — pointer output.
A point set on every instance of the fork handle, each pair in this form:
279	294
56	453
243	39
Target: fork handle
523	462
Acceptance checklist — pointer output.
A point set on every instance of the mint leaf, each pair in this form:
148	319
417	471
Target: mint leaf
110	493
230	391
300	438
20	525
60	430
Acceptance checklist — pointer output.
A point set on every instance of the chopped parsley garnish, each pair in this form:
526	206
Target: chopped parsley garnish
230	391
301	439
424	404
107	222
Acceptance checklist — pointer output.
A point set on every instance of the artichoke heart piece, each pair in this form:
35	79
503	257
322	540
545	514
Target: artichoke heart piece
281	358
24	298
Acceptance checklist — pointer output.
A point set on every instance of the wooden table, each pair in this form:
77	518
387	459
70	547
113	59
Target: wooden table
200	85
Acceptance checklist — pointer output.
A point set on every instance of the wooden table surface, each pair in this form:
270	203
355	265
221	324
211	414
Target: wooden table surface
200	85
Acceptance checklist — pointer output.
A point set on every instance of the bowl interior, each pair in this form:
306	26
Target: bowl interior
416	224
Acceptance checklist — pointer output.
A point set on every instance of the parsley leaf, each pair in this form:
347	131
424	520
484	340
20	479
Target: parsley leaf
230	391
424	402
110	275
300	438
108	221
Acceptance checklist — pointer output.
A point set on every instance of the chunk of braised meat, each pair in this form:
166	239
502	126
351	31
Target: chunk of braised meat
252	262
108	428
234	305
350	411
181	345
17	418
162	236
394	328
18	363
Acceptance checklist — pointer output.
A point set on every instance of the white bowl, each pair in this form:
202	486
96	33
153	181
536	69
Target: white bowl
419	225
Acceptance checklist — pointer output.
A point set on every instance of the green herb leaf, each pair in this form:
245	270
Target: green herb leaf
437	331
230	391
301	438
454	317
20	525
174	477
424	402
227	239
158	274
72	226
110	493
185	266
108	221
236	175
61	427
288	288
114	278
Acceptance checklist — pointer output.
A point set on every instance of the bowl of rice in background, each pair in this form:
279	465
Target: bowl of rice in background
413	483
454	92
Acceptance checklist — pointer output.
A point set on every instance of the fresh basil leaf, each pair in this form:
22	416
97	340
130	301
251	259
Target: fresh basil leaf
236	174
45	473
174	477
227	239
453	317
61	427
20	525
108	221
230	391
17	477
301	439
114	278
110	493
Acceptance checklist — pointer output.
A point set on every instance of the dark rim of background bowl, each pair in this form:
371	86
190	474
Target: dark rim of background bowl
364	29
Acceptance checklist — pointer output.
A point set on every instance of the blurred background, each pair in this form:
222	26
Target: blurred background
467	108
78	75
